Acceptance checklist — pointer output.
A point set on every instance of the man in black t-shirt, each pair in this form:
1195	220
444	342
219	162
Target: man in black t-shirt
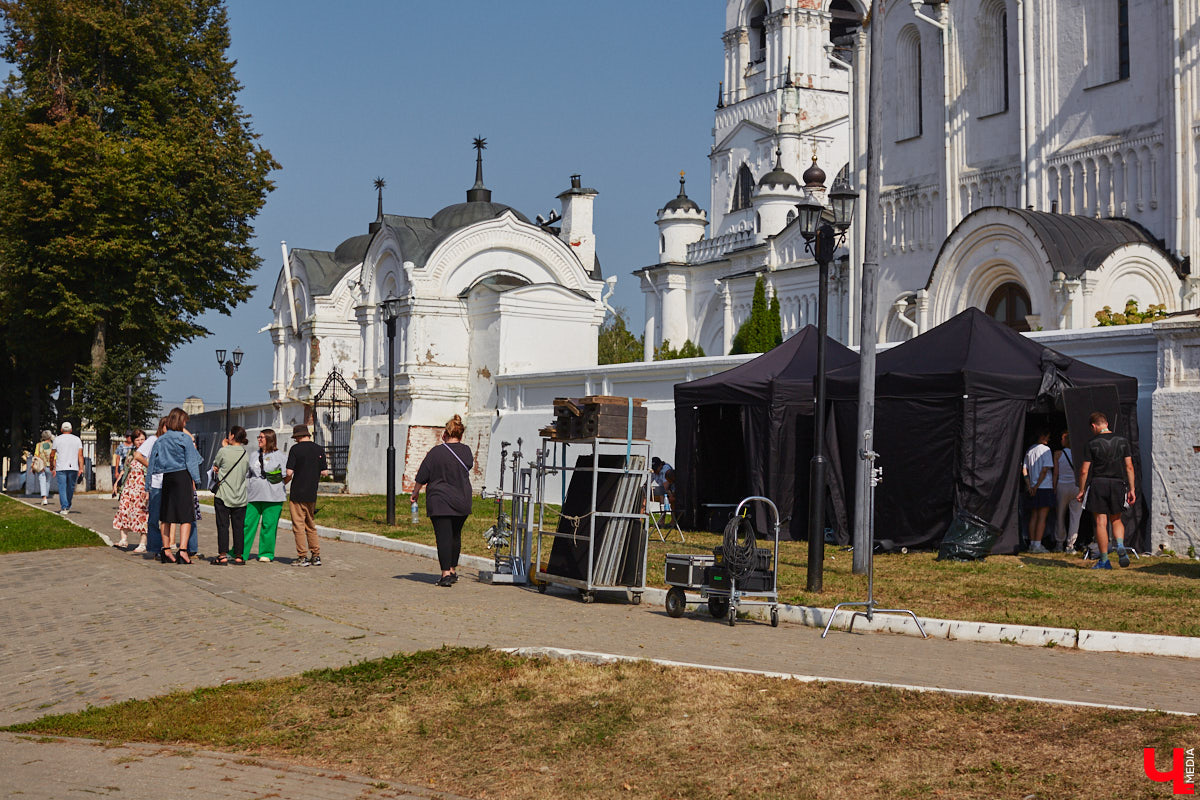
1106	479
305	466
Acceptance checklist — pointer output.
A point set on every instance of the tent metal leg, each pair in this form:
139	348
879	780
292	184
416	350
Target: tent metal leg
869	456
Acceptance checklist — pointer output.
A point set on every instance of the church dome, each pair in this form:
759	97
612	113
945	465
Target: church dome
814	176
681	202
353	250
460	215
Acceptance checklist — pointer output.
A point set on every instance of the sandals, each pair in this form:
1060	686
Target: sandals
446	580
238	562
219	561
166	557
184	558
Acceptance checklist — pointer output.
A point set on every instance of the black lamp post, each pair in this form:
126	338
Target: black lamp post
390	309
823	237
129	401
229	367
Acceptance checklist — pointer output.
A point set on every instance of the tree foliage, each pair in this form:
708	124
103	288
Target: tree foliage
665	352
761	330
105	395
616	344
1131	315
129	178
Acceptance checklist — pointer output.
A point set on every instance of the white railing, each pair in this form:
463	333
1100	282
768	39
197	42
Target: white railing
706	250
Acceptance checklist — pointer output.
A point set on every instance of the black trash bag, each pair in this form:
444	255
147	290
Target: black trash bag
970	538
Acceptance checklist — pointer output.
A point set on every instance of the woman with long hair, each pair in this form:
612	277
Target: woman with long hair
42	450
133	509
446	475
265	494
176	457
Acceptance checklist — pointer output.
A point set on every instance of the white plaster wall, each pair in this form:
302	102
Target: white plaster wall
1175	518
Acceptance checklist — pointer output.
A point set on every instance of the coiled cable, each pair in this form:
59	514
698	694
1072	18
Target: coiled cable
740	547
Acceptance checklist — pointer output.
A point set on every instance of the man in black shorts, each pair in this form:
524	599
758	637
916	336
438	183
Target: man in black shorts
1106	479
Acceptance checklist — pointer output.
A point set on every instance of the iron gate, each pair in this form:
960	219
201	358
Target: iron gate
335	410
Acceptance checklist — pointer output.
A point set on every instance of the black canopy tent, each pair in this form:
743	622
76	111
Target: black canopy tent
748	431
950	416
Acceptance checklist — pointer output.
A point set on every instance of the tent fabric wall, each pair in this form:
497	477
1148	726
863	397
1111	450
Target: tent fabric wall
950	424
772	396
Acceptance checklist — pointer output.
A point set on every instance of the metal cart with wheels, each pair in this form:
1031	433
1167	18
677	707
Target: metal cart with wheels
718	583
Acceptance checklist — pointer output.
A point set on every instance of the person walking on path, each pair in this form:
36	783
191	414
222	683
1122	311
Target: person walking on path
120	468
39	465
65	462
1066	487
229	503
265	494
446	474
133	509
175	456
154	491
1038	467
305	466
1106	481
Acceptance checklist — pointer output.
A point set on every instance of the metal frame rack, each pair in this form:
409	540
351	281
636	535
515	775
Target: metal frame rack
726	602
636	480
509	537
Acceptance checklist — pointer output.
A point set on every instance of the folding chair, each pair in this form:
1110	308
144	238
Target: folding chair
660	514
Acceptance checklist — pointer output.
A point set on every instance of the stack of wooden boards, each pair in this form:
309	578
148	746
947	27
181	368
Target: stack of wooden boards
597	416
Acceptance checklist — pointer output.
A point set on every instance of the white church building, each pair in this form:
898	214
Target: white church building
1039	163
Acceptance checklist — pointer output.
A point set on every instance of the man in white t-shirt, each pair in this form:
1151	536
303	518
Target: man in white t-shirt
68	449
1038	469
154	490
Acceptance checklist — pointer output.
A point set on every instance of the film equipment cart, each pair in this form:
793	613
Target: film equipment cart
738	573
509	538
600	542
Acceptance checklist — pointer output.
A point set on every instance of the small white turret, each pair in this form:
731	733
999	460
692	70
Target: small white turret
680	222
576	228
775	200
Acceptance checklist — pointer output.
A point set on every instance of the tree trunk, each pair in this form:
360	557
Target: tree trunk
103	460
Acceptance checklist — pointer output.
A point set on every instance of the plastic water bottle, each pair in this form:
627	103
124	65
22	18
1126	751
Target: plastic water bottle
415	517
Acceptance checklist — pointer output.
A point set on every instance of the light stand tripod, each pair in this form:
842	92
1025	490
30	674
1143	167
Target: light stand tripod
869	455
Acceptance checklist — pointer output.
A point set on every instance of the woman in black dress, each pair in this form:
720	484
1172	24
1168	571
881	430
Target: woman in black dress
445	474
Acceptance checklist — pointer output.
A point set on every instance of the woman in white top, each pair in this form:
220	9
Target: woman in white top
1066	488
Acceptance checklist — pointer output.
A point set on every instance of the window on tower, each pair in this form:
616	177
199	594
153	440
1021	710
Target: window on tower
993	79
844	25
758	33
743	190
908	83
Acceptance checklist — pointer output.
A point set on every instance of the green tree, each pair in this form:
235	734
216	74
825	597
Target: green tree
775	322
665	352
129	178
761	330
1131	316
121	386
615	343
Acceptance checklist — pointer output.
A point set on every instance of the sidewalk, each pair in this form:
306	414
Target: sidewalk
97	625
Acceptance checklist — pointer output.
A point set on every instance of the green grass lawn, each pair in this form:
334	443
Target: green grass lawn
1154	595
24	529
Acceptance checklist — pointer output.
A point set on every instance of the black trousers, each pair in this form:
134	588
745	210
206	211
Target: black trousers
448	531
225	517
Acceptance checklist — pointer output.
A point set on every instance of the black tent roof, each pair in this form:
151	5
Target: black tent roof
782	374
972	353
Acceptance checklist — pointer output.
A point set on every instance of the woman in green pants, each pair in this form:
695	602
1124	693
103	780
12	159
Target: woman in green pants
265	493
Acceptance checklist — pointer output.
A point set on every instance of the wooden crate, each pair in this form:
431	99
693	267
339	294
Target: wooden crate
598	416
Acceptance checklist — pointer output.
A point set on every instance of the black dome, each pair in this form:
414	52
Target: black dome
681	202
779	177
460	215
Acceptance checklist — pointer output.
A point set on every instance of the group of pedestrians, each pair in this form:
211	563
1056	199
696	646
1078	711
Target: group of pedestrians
1102	482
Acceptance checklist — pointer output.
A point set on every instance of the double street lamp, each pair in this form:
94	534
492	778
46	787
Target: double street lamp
824	229
390	309
229	368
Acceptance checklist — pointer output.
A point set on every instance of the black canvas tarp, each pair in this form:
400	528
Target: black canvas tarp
950	425
748	431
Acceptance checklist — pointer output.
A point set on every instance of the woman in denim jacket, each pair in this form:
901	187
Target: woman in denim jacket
176	457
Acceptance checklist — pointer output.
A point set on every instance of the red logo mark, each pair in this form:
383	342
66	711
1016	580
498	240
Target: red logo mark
1181	772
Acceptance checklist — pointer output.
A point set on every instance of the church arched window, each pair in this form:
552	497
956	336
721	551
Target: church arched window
743	190
993	79
758	32
1107	26
908	83
1009	304
844	24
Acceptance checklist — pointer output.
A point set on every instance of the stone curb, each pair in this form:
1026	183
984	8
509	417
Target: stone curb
587	657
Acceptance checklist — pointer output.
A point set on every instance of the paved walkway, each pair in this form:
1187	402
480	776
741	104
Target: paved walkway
98	625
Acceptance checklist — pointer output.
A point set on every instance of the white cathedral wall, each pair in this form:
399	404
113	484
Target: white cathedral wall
1175	519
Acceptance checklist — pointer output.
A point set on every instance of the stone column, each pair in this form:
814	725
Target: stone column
674	310
727	331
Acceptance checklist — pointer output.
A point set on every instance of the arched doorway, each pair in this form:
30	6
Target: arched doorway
1010	305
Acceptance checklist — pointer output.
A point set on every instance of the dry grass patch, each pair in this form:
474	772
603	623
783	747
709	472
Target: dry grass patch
487	724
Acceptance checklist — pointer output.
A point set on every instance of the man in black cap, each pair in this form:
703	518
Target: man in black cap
305	466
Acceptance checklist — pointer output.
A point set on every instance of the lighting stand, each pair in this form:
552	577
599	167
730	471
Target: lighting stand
876	475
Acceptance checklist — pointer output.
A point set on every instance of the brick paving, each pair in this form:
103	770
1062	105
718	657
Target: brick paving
98	625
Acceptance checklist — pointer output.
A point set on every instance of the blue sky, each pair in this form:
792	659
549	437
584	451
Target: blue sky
621	91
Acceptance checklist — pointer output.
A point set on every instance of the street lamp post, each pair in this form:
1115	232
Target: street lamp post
129	401
390	309
822	237
229	368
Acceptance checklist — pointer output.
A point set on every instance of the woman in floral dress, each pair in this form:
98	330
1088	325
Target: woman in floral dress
133	510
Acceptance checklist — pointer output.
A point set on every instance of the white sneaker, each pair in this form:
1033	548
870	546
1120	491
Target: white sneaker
1037	547
63	511
264	559
45	501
